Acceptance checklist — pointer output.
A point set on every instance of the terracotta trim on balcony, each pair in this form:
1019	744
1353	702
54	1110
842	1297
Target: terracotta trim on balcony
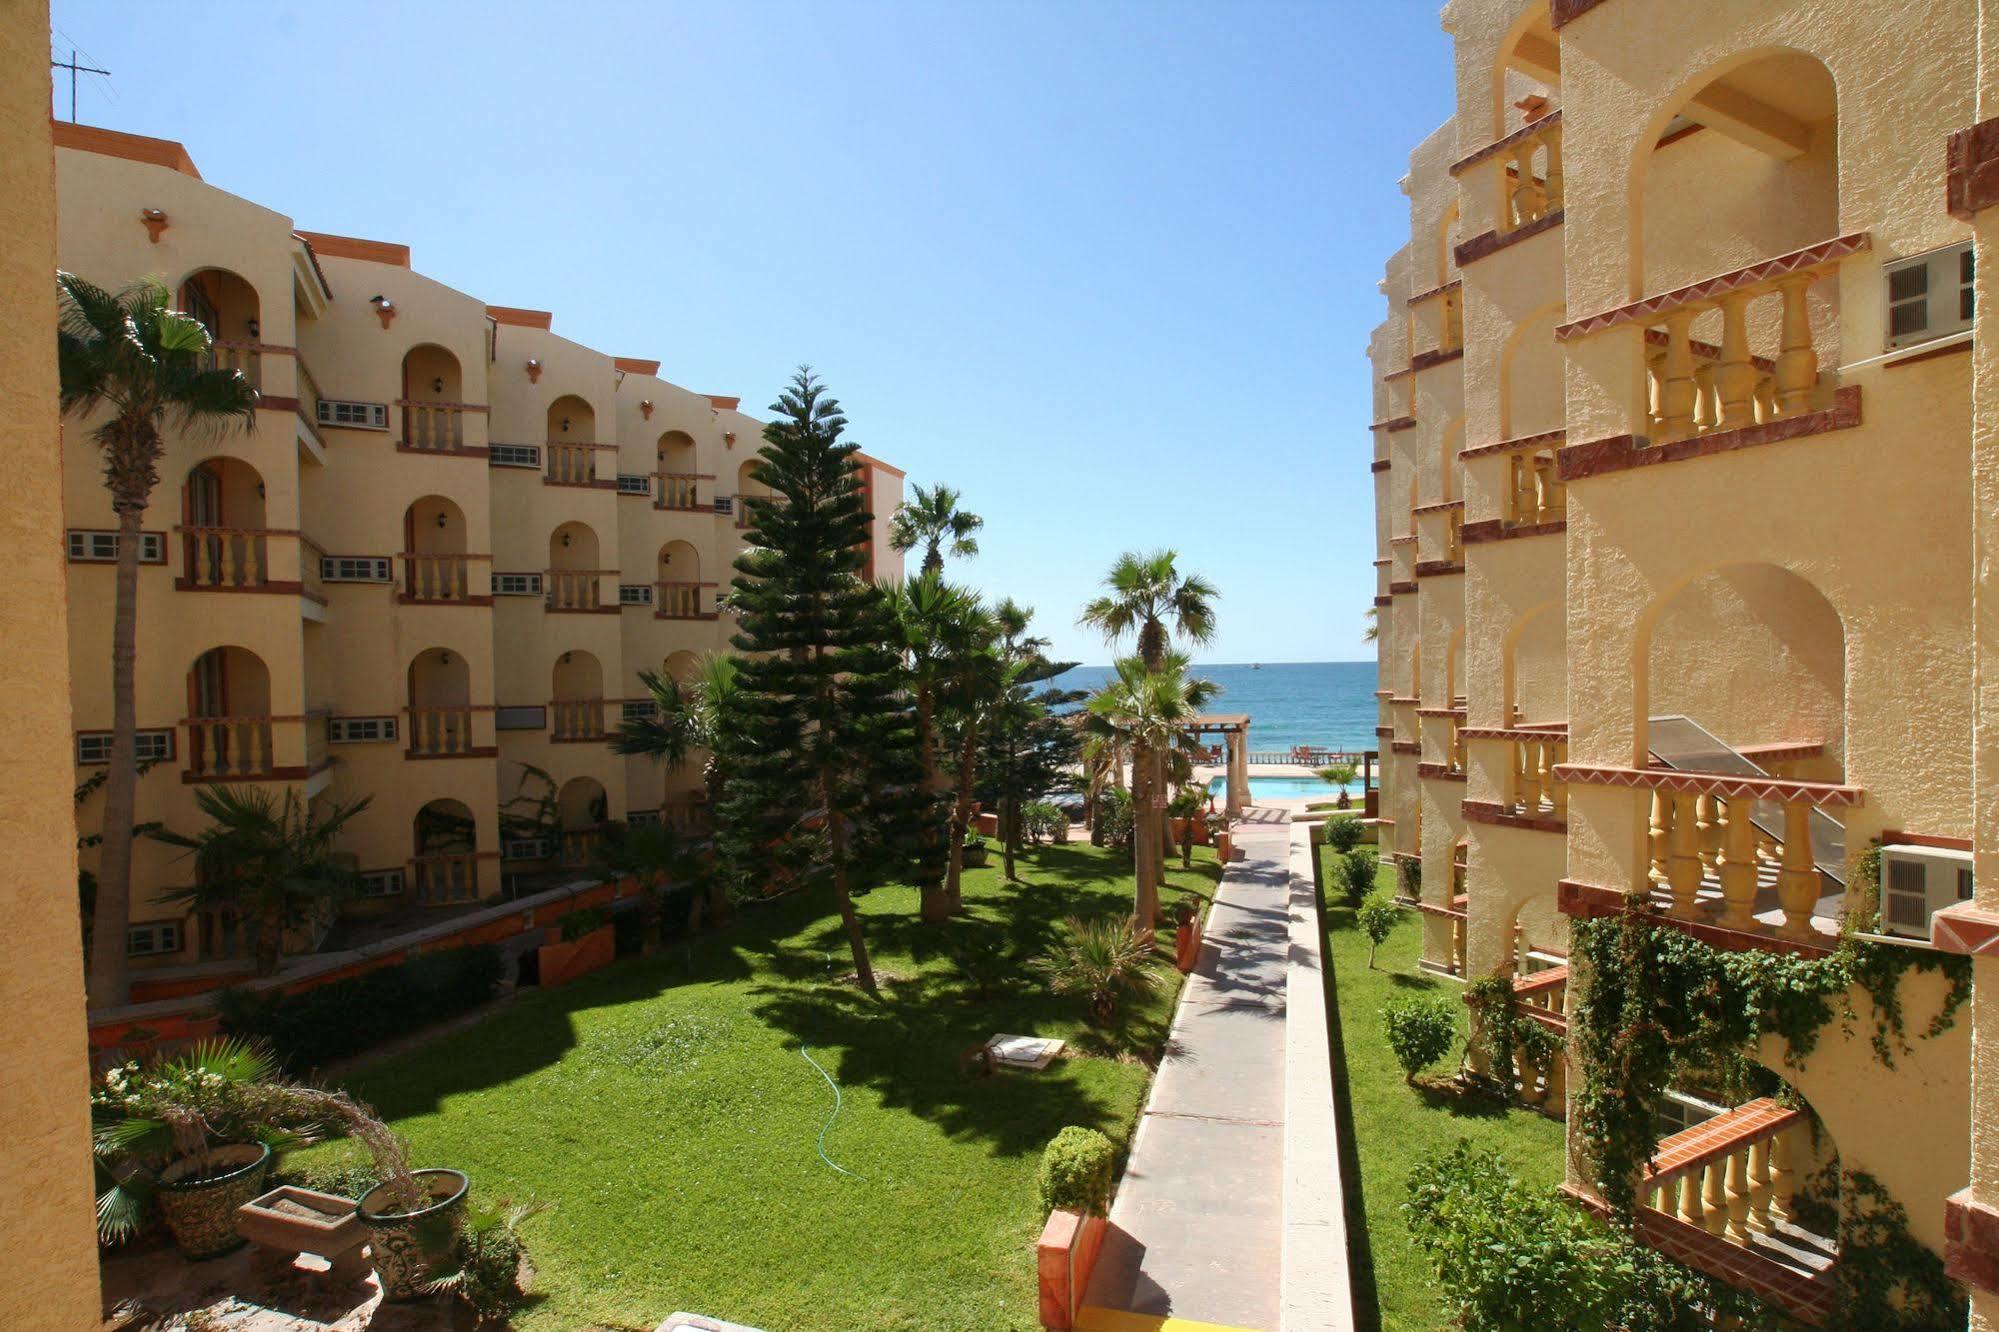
700	615
1380	465
1621	453
1384	732
1498	146
1554	731
1384	601
1782	752
294	774
1421	296
1965	928
1499	816
291	589
1704	351
581	485
1408	540
1441	713
1439	771
1488	243
1971	1241
1713	1139
477	451
1406	747
1515	445
1588	901
1433	358
1401	589
1442	506
517	317
1394	423
1437	568
1400	372
1545	979
1494	529
479	752
1567	11
585	610
1652	308
1830	795
1952	349
1405	701
487	408
1896	837
267	403
1971	169
405	599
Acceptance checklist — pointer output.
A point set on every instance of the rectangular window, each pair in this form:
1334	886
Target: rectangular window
528	848
641	818
382	883
516	584
635	594
514	455
725	504
152	939
520	719
148	746
90	547
629	484
638	709
355	568
353	415
1929	296
360	730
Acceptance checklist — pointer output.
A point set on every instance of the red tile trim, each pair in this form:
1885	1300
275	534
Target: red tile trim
1971	1241
1971	169
1555	731
1652	308
1400	372
1380	465
1955	348
1715	1138
1394	423
1431	359
1498	146
1384	732
1488	243
1896	837
1444	506
1620	453
1439	771
1492	529
1422	296
1541	440
1499	816
1567	11
1965	928
1441	712
1825	794
1436	909
1781	753
1400	589
1405	747
1437	568
1547	979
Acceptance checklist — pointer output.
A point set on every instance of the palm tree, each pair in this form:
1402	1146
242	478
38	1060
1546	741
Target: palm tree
930	518
651	854
132	353
1373	630
274	863
1148	601
685	721
1144	709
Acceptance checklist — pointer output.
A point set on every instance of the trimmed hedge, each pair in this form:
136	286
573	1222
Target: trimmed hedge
342	1018
1076	1170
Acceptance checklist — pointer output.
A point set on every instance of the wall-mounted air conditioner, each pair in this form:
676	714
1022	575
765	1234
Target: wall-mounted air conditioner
1919	881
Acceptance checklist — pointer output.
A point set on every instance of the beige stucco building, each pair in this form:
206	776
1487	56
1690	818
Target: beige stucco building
430	574
1681	569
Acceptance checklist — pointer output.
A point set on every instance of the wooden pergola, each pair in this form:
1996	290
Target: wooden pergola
1234	730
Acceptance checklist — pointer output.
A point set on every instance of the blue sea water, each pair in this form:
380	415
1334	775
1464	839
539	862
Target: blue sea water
1320	703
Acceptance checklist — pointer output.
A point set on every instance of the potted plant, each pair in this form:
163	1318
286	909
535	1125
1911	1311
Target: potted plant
1186	935
975	851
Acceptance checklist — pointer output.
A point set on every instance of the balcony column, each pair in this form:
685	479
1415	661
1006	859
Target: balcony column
1661	827
1552	136
1524	504
1529	200
1692	1210
1798	879
1798	362
1707	815
1760	1192
1783	1175
1738	869
1676	389
1457	945
1714	1199
1736	379
1683	864
1737	1185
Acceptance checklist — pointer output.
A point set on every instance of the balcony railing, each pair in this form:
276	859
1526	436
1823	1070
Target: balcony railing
1533	789
449	877
574	589
576	719
245	358
679	601
1534	490
686	816
580	846
308	397
227	557
437	578
571	464
311	572
1533	192
433	427
681	490
231	747
439	731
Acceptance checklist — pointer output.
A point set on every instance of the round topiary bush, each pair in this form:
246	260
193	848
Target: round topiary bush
1076	1169
1420	1032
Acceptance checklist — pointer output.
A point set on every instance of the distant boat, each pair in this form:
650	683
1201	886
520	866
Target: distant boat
1256	665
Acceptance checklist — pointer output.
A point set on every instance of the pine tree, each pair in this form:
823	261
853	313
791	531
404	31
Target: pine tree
826	786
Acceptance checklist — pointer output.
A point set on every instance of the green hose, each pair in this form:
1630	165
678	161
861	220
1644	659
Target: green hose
806	1051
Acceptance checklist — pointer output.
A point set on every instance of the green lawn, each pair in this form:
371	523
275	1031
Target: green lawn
1393	1125
663	1110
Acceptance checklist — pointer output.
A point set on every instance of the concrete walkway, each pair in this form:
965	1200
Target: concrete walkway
1199	1227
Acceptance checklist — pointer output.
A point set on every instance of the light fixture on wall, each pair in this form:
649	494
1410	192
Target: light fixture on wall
155	220
565	541
645	408
256	330
534	369
729	438
565	659
442	521
437	384
384	307
444	658
565	425
260	490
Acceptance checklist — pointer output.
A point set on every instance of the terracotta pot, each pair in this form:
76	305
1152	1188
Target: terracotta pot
201	1212
409	1248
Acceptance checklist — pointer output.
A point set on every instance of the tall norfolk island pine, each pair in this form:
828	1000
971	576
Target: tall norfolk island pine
826	783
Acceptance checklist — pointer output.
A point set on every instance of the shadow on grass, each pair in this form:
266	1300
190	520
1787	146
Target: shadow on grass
1462	1100
1360	1247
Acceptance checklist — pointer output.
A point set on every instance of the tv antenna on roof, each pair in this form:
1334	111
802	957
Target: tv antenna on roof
74	70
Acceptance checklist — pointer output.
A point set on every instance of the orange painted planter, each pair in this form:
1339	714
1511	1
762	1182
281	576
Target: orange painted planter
1063	1258
561	963
1224	847
1200	831
1187	945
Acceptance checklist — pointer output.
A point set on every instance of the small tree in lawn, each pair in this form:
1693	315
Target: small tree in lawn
1378	919
1420	1032
826	789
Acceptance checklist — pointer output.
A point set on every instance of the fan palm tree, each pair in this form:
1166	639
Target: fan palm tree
1373	630
979	682
273	862
130	352
686	720
653	855
931	518
1144	709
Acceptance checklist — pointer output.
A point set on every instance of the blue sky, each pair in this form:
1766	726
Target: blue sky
1108	268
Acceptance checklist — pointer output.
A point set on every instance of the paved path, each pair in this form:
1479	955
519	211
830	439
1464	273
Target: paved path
1197	1230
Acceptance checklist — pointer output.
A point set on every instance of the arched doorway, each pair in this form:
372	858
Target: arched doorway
583	807
433	399
229	715
573	570
440	703
435	567
572	450
576	709
227	306
445	865
680	594
224	542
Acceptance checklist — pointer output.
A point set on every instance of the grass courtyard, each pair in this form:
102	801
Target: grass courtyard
1393	1125
663	1111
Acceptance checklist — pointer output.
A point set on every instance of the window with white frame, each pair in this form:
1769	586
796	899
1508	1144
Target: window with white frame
630	483
635	594
382	883
360	730
528	848
638	709
641	818
516	584
353	415
725	504
1929	295
356	568
147	746
93	547
152	938
514	455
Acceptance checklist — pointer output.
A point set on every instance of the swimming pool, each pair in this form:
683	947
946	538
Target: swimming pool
1279	788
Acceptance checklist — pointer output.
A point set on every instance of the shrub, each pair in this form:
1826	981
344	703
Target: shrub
342	1179
1076	1169
1378	919
1420	1032
1357	869
1343	833
1042	821
583	921
487	1281
1103	959
1409	877
1508	1256
1114	817
343	1018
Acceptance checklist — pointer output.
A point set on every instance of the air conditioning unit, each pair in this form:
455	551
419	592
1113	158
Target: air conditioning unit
1917	882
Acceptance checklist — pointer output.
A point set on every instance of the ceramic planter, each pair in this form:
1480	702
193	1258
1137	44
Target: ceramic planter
200	1209
409	1248
974	856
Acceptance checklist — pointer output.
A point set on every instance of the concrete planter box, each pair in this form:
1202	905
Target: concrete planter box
410	1248
294	1220
201	1212
560	963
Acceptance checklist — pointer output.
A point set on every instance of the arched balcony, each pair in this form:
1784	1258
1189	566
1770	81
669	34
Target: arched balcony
747	487
576	707
225	543
573	580
583	808
445	866
436	567
440	704
229	309
231	733
681	591
679	481
572	447
432	403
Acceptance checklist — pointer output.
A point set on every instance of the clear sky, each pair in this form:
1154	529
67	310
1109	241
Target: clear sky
1109	268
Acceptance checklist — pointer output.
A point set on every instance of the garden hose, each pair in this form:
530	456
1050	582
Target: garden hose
806	1051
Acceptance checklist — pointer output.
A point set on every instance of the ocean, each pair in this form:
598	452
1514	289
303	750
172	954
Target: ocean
1320	703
